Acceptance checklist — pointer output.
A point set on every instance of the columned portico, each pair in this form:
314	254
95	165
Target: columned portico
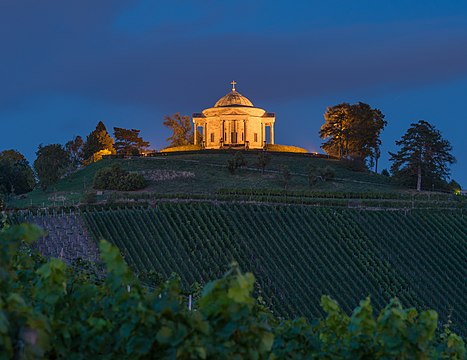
234	122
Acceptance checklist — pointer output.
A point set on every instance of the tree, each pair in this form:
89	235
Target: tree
182	130
51	163
286	176
74	148
424	156
98	141
16	175
353	131
128	142
236	162
263	160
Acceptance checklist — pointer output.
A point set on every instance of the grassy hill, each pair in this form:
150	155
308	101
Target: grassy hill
206	173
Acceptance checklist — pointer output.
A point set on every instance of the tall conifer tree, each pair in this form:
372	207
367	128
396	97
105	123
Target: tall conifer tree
98	140
424	156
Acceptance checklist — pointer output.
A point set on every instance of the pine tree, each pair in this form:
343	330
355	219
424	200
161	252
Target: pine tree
128	141
424	155
97	141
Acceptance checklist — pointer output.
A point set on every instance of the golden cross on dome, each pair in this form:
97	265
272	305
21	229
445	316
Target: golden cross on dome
233	85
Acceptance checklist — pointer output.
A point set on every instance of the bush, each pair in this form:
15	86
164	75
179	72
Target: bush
354	164
240	160
263	160
89	198
320	174
385	172
286	176
237	162
326	173
231	166
115	178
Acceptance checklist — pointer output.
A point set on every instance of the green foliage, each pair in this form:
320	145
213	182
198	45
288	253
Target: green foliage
385	172
115	178
354	163
98	140
48	310
455	187
236	162
182	130
51	163
285	176
263	160
300	252
128	141
89	197
320	174
353	131
16	176
424	157
74	148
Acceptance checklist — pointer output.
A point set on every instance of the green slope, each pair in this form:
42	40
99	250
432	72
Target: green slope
207	174
299	253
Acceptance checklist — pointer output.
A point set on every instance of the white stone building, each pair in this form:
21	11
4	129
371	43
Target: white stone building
234	122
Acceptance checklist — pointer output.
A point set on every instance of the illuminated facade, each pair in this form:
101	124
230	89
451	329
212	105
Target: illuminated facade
234	122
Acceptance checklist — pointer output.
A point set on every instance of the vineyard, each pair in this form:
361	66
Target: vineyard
299	253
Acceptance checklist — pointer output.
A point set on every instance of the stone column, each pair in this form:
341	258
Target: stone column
195	138
244	131
271	129
222	137
205	139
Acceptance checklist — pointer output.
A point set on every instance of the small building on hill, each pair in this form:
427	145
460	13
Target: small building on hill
234	122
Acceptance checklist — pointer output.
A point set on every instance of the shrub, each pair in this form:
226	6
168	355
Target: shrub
385	172
231	166
115	178
285	176
89	198
354	164
240	160
320	174
326	173
263	160
237	162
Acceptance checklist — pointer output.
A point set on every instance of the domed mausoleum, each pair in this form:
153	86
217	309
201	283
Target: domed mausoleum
234	122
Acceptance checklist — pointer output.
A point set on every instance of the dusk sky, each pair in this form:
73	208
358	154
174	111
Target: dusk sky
65	65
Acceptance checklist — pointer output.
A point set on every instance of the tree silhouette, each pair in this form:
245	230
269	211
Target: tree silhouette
424	155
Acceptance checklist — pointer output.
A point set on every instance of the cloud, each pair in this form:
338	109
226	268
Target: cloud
77	50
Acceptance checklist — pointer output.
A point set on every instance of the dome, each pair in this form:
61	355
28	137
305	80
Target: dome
233	98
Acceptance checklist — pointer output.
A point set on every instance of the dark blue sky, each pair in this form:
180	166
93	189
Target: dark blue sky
65	65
